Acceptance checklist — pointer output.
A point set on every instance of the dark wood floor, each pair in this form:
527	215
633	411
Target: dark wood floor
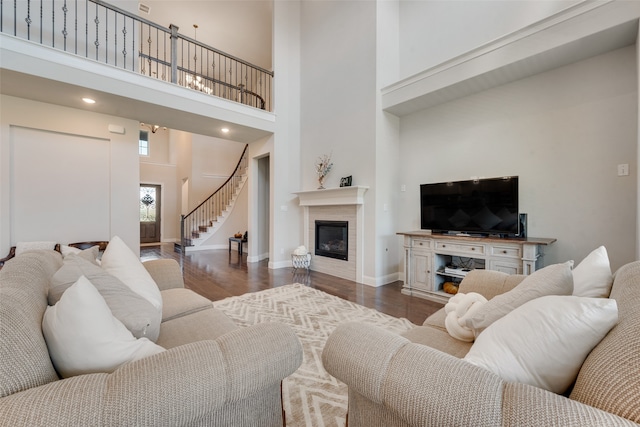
218	274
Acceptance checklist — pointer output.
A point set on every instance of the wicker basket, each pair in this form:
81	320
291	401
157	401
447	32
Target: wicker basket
301	261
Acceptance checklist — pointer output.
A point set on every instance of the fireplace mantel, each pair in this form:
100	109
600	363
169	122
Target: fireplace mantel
333	196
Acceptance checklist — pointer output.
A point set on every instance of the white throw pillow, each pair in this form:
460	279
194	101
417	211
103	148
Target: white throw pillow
544	341
555	279
120	261
83	336
592	277
22	247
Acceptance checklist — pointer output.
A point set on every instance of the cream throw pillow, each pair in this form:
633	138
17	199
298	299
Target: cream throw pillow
544	342
83	336
133	310
592	277
554	279
121	262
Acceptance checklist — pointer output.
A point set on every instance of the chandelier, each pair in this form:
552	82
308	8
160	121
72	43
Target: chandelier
194	81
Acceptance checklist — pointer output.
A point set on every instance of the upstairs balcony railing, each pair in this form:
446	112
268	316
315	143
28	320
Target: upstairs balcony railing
105	33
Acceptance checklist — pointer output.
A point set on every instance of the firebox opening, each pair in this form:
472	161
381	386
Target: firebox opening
332	239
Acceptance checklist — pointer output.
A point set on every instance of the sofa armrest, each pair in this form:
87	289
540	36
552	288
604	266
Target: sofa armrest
176	387
194	379
421	385
165	272
489	283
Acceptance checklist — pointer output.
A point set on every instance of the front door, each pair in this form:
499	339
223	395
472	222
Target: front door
149	213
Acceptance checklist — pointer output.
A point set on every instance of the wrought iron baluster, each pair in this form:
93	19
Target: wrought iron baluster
64	25
97	42
76	28
124	42
28	20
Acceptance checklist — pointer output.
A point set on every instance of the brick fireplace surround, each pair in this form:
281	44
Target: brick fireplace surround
336	204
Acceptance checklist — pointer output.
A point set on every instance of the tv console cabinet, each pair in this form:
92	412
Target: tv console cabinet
430	260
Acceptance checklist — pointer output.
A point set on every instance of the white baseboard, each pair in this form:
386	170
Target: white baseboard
381	281
280	264
206	247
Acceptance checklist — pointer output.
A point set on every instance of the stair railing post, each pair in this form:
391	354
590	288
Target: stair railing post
182	241
174	53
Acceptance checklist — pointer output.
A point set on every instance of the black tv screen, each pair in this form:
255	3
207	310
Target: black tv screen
481	206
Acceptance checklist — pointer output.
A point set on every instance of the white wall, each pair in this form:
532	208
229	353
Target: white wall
338	101
159	168
213	161
433	32
284	147
562	132
111	185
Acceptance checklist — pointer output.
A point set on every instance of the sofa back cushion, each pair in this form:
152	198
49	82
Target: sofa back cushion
24	358
609	378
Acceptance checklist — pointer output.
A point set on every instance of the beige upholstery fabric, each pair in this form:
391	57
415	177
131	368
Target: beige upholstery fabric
396	383
165	272
438	339
24	358
489	283
609	378
528	405
178	302
183	330
419	385
230	378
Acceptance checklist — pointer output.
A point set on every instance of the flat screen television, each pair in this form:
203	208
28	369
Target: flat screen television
474	207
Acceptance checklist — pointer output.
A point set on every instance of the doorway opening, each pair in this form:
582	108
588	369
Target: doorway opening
264	198
150	199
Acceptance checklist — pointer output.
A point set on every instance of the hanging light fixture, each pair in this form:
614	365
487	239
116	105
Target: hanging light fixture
153	128
195	81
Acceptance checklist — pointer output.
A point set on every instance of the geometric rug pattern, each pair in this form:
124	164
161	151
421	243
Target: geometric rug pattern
312	397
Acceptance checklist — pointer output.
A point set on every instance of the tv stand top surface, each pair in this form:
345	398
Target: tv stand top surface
484	238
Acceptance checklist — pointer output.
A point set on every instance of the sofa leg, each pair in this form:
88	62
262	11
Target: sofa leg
284	417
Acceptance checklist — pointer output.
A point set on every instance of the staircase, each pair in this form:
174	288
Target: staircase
199	225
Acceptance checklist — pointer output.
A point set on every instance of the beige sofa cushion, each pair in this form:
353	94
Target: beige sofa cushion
555	279
438	339
202	325
179	302
608	377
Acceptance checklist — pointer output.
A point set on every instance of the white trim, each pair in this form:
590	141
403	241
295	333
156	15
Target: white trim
581	31
333	196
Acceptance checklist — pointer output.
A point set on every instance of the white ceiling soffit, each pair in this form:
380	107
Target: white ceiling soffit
575	35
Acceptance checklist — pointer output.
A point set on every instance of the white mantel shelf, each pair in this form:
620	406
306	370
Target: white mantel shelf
333	196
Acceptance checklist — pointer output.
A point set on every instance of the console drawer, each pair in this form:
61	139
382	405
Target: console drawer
465	248
421	244
506	251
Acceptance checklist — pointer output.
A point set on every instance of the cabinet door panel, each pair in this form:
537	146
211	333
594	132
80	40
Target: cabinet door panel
421	271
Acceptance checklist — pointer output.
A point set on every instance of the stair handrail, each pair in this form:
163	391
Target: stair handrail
208	199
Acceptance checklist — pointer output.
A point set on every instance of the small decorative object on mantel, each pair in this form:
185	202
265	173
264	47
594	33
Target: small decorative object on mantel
345	181
323	167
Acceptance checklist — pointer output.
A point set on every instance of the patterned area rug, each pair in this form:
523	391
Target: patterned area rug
312	397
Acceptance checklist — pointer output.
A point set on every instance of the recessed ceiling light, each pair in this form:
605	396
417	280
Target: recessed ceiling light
225	130
89	100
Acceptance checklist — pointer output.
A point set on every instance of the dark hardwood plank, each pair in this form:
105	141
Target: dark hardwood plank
218	274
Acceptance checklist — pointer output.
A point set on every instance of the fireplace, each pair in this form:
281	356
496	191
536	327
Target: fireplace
332	239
